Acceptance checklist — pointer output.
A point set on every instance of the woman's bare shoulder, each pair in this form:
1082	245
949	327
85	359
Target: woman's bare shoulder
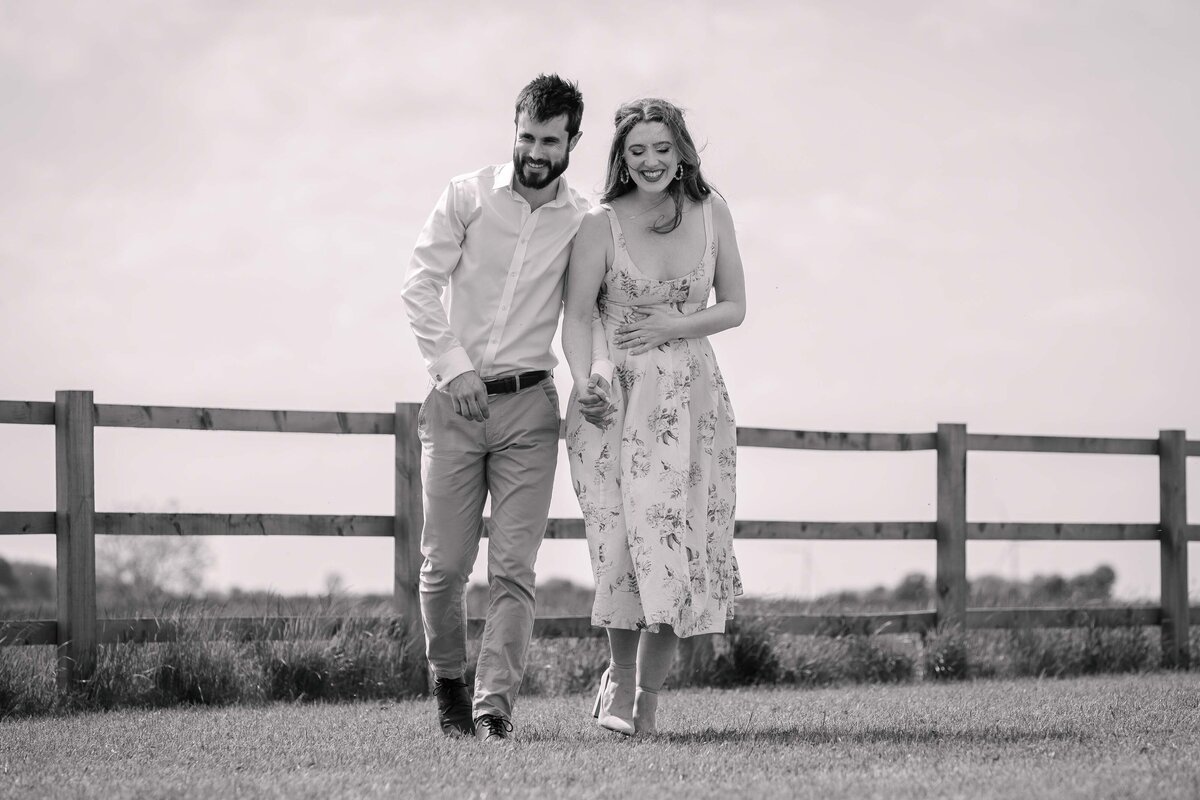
722	216
596	219
595	214
594	228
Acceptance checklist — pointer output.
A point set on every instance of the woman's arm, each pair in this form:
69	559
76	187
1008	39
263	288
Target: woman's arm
590	256
658	325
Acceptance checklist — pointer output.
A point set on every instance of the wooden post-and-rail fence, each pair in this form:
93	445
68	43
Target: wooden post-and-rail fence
75	523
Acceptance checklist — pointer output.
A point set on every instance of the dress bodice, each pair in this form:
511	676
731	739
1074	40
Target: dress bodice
625	286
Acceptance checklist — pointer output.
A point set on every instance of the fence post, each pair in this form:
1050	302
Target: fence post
409	521
1172	504
74	532
951	583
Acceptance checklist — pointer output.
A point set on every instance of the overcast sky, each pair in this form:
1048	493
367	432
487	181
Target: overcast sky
977	212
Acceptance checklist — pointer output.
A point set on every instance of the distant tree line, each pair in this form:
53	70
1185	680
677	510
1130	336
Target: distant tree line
131	571
20	581
991	590
913	591
144	572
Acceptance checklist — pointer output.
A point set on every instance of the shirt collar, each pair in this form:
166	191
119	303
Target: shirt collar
504	177
504	180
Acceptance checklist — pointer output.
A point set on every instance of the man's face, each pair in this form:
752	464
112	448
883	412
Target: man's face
542	150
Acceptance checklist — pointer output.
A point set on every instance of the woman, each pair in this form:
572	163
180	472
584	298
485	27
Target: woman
653	457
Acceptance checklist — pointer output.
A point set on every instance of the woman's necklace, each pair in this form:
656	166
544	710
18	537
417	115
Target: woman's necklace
651	208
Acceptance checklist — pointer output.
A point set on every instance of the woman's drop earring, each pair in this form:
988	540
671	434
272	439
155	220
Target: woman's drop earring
623	174
679	172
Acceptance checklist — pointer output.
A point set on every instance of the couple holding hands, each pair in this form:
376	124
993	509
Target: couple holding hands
650	431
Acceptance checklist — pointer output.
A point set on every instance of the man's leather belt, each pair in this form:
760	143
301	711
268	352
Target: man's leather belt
515	383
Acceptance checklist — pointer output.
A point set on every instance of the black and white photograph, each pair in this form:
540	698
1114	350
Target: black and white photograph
446	399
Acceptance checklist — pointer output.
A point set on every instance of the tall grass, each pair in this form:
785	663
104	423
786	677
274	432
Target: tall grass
376	661
26	681
359	662
946	654
753	654
204	667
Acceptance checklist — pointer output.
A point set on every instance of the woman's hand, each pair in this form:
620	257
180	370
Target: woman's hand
650	327
595	401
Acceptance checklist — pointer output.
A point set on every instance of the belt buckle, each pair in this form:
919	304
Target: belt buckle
517	382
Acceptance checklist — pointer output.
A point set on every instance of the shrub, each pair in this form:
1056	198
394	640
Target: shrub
563	666
749	657
1036	653
870	659
375	661
945	654
124	677
1062	653
206	673
293	673
810	660
363	660
1115	650
27	680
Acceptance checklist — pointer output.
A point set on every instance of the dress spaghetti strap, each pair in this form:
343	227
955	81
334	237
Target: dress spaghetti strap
616	229
709	233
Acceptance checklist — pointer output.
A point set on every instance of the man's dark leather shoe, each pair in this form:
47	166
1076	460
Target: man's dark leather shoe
454	706
492	728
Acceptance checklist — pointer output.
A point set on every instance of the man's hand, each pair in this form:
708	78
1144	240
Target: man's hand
595	403
469	396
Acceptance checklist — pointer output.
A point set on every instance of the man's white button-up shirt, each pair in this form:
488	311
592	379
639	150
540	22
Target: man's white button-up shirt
504	264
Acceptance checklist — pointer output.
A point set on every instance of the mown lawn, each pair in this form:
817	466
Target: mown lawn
1107	737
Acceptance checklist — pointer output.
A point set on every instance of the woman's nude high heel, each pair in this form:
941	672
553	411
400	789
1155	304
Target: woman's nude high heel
645	712
614	702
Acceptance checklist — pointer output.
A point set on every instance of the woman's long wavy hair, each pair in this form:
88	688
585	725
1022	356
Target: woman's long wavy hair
692	184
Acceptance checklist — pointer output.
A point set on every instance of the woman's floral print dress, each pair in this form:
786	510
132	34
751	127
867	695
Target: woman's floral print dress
656	486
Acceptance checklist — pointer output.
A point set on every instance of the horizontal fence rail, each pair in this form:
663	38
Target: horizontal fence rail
1062	444
246	629
822	440
77	631
141	523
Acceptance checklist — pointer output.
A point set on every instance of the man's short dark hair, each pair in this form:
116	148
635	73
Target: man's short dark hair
548	96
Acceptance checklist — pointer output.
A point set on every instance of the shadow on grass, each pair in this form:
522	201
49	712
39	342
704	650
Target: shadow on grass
826	735
835	735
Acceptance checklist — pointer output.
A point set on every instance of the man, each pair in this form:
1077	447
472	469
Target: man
500	238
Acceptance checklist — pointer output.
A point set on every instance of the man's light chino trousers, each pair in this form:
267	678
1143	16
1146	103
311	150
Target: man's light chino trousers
511	456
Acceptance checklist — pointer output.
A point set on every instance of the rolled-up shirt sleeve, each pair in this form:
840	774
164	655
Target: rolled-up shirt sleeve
434	258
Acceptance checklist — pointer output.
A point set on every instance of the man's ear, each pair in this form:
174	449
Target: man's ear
574	140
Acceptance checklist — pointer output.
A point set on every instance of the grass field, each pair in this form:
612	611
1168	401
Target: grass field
1134	736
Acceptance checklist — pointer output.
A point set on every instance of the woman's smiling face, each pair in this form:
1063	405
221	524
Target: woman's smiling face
651	156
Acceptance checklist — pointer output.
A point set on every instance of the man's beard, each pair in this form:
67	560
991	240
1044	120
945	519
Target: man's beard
532	181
